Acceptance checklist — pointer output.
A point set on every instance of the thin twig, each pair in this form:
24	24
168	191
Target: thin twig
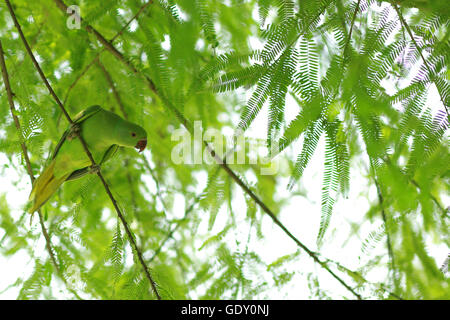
186	123
351	27
158	187
86	149
83	72
10	95
386	228
113	88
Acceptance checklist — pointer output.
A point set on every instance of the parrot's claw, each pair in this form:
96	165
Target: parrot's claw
94	169
74	131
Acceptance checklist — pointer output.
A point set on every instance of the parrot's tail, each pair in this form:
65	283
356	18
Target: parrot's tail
44	187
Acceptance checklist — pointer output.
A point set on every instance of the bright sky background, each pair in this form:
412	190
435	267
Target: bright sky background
301	215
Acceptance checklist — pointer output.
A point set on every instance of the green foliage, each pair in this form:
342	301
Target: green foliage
366	102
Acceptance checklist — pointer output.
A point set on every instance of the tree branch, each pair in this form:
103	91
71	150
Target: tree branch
351	27
12	108
386	228
113	88
86	149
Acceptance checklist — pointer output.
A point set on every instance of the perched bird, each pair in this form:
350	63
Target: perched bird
103	131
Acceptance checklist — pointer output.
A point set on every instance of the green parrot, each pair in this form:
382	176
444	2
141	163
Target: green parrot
103	131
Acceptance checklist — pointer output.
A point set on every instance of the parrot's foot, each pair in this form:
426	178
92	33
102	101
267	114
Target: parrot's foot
94	169
74	131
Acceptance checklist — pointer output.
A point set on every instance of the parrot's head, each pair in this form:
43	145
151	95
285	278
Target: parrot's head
133	136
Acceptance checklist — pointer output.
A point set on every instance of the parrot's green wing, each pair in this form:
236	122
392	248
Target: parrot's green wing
78	174
109	153
86	113
80	117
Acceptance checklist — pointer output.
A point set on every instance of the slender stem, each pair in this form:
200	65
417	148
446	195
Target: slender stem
155	179
386	227
12	108
86	149
113	88
187	124
351	27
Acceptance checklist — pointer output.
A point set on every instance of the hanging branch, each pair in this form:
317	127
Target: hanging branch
351	27
86	149
32	44
386	228
10	96
186	123
113	88
408	29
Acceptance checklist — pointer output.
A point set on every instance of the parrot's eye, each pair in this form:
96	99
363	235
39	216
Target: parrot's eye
133	134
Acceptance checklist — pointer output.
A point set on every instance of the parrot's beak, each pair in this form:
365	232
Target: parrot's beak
141	145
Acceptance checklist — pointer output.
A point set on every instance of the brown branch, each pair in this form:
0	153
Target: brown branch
32	44
118	55
351	27
85	70
386	228
113	88
186	123
158	187
12	108
86	149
